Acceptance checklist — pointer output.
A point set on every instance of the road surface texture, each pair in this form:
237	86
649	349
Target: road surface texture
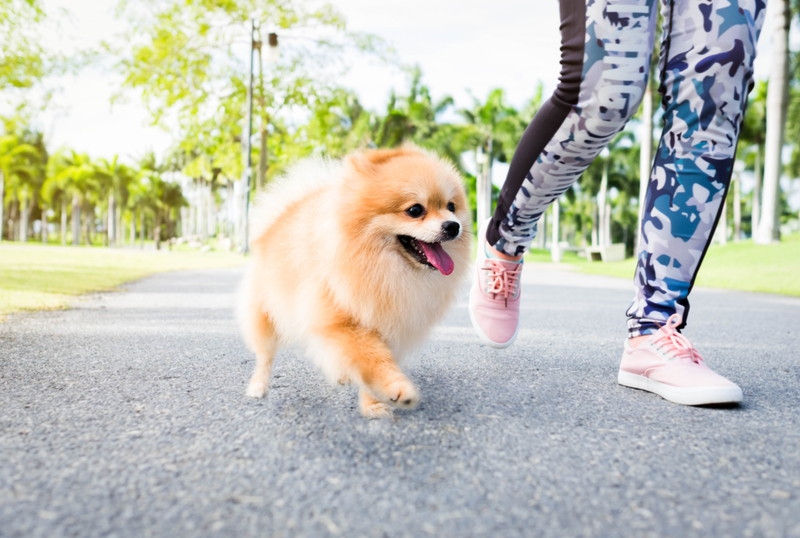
126	417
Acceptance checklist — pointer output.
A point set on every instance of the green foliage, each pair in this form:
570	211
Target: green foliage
189	60
22	163
190	66
737	265
793	131
337	124
22	58
72	185
25	64
496	127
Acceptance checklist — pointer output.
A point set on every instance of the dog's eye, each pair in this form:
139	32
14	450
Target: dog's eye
415	211
451	207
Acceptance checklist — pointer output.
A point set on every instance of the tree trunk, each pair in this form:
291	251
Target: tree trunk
157	231
483	185
555	246
262	159
2	203
88	224
26	208
141	229
119	237
208	211
76	220
603	210
721	234
541	235
737	208
755	215
777	104
63	229
112	221
45	231
13	219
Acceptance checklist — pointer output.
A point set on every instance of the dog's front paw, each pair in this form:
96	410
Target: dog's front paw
256	389
377	410
373	408
402	394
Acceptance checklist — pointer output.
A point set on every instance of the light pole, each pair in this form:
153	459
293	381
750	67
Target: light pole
255	42
247	173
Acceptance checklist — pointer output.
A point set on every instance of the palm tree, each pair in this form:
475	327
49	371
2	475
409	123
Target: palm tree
22	161
494	129
155	202
54	194
413	117
114	179
164	198
777	104
599	209
70	175
15	156
338	124
202	206
140	206
170	203
751	142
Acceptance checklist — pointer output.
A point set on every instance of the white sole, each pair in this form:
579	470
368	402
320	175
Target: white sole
682	395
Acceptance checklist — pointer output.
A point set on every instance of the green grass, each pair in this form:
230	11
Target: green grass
35	277
742	266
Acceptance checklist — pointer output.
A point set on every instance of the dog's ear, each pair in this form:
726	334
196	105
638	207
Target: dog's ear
367	161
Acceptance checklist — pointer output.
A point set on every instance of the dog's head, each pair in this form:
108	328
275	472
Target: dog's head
411	202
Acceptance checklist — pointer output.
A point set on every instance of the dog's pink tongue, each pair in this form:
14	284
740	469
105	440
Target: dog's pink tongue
438	257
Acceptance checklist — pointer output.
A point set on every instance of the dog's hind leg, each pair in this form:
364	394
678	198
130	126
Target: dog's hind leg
263	341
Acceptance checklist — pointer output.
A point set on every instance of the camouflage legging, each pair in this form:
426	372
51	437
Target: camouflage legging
708	48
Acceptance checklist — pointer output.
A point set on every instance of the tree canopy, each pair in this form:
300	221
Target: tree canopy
189	63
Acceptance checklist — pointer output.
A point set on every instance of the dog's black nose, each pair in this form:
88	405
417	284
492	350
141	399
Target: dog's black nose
451	229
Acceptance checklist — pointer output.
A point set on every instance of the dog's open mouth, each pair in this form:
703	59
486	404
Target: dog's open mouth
430	254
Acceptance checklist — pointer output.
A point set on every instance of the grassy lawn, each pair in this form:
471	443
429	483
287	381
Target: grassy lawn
741	266
36	277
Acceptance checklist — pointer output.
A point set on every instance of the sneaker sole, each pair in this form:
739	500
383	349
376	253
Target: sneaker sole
485	339
683	396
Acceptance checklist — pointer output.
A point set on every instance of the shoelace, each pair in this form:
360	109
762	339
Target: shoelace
500	280
673	344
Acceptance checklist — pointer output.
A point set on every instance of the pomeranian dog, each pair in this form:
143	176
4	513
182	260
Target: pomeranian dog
355	260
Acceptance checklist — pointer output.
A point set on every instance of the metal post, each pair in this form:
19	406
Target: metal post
248	159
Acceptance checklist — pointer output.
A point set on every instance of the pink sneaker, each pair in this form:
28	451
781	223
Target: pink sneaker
668	365
494	300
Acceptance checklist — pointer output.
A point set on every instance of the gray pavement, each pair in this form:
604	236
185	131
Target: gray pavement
126	416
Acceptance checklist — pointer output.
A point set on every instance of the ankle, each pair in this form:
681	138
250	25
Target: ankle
494	253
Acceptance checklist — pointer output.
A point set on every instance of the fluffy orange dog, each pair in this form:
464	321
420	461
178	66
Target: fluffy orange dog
356	260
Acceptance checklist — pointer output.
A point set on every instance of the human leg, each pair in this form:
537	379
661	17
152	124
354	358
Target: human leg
707	66
605	58
606	50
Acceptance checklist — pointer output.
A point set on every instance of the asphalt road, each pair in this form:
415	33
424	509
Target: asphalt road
126	417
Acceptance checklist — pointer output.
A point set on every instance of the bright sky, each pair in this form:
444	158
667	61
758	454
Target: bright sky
512	44
461	47
478	46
